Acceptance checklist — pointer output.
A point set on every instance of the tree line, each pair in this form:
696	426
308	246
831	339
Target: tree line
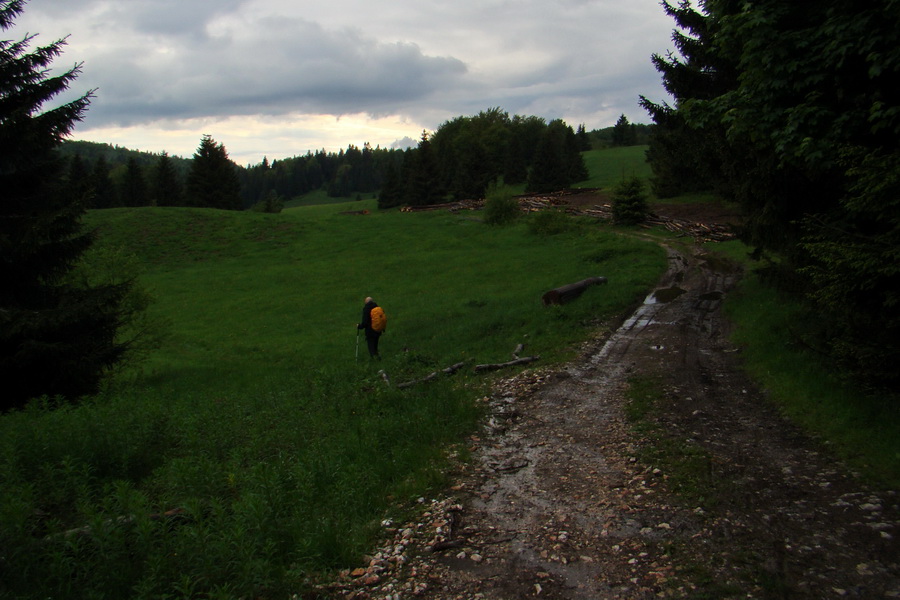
466	154
459	160
791	109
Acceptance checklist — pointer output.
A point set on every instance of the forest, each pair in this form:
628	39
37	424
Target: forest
789	110
453	162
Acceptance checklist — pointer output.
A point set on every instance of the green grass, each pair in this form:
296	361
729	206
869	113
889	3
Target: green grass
255	419
610	166
320	196
863	429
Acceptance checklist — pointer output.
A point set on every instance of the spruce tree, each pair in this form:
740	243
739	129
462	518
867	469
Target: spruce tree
213	181
56	337
166	189
134	187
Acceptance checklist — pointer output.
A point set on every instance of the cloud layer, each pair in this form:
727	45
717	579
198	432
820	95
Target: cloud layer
165	65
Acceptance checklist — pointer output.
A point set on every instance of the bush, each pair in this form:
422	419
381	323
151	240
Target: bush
273	203
549	222
629	202
500	208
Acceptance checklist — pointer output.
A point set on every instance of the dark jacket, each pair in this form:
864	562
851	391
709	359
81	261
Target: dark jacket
366	322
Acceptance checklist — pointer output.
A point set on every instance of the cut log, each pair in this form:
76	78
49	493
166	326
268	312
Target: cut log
495	366
567	293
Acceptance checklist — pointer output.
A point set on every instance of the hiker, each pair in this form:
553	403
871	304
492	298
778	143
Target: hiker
374	322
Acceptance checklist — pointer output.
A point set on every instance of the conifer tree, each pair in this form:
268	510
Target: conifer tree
102	186
213	180
56	337
134	187
423	184
166	188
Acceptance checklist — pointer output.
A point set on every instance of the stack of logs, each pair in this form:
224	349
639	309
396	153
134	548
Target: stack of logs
701	232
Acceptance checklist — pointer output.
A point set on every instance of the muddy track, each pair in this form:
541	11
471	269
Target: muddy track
559	501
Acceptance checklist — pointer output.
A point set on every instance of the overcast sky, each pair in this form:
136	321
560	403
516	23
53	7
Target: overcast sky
277	78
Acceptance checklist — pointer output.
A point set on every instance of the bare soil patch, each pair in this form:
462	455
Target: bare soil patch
561	501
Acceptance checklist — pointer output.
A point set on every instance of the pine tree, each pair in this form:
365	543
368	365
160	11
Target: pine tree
213	181
56	337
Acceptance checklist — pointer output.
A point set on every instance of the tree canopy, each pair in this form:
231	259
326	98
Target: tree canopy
57	335
213	181
791	109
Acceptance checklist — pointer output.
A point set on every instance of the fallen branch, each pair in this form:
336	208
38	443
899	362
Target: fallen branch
512	363
448	371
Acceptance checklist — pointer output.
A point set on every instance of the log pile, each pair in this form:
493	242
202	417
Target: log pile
449	206
701	232
598	211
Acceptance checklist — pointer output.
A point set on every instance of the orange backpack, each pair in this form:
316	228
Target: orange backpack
379	319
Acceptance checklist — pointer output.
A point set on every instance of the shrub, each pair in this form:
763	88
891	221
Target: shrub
273	203
549	222
629	202
500	208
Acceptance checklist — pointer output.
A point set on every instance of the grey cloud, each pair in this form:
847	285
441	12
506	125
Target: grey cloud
264	67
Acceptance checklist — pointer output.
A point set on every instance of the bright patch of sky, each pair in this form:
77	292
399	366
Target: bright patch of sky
279	78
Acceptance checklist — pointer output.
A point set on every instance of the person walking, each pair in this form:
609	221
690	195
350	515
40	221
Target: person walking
374	322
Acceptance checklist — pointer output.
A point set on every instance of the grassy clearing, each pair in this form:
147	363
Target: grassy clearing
610	166
254	419
862	428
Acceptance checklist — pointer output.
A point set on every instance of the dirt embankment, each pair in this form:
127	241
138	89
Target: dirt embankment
557	502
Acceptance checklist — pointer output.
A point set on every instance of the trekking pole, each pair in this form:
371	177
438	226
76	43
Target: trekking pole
357	345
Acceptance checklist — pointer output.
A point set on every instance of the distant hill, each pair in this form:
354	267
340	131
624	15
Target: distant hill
115	155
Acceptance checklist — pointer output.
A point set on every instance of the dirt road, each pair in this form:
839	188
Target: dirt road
559	501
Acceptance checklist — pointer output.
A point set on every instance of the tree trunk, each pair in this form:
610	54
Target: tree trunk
567	293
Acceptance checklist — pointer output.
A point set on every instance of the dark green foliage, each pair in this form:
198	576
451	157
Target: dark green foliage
273	203
392	191
603	138
422	186
557	160
104	194
854	269
213	181
624	133
792	110
57	337
166	189
629	202
684	158
549	222
500	207
79	181
134	186
584	140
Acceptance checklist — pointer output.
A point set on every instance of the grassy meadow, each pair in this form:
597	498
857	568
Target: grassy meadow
277	449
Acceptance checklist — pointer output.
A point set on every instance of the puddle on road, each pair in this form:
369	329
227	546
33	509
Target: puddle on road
666	295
